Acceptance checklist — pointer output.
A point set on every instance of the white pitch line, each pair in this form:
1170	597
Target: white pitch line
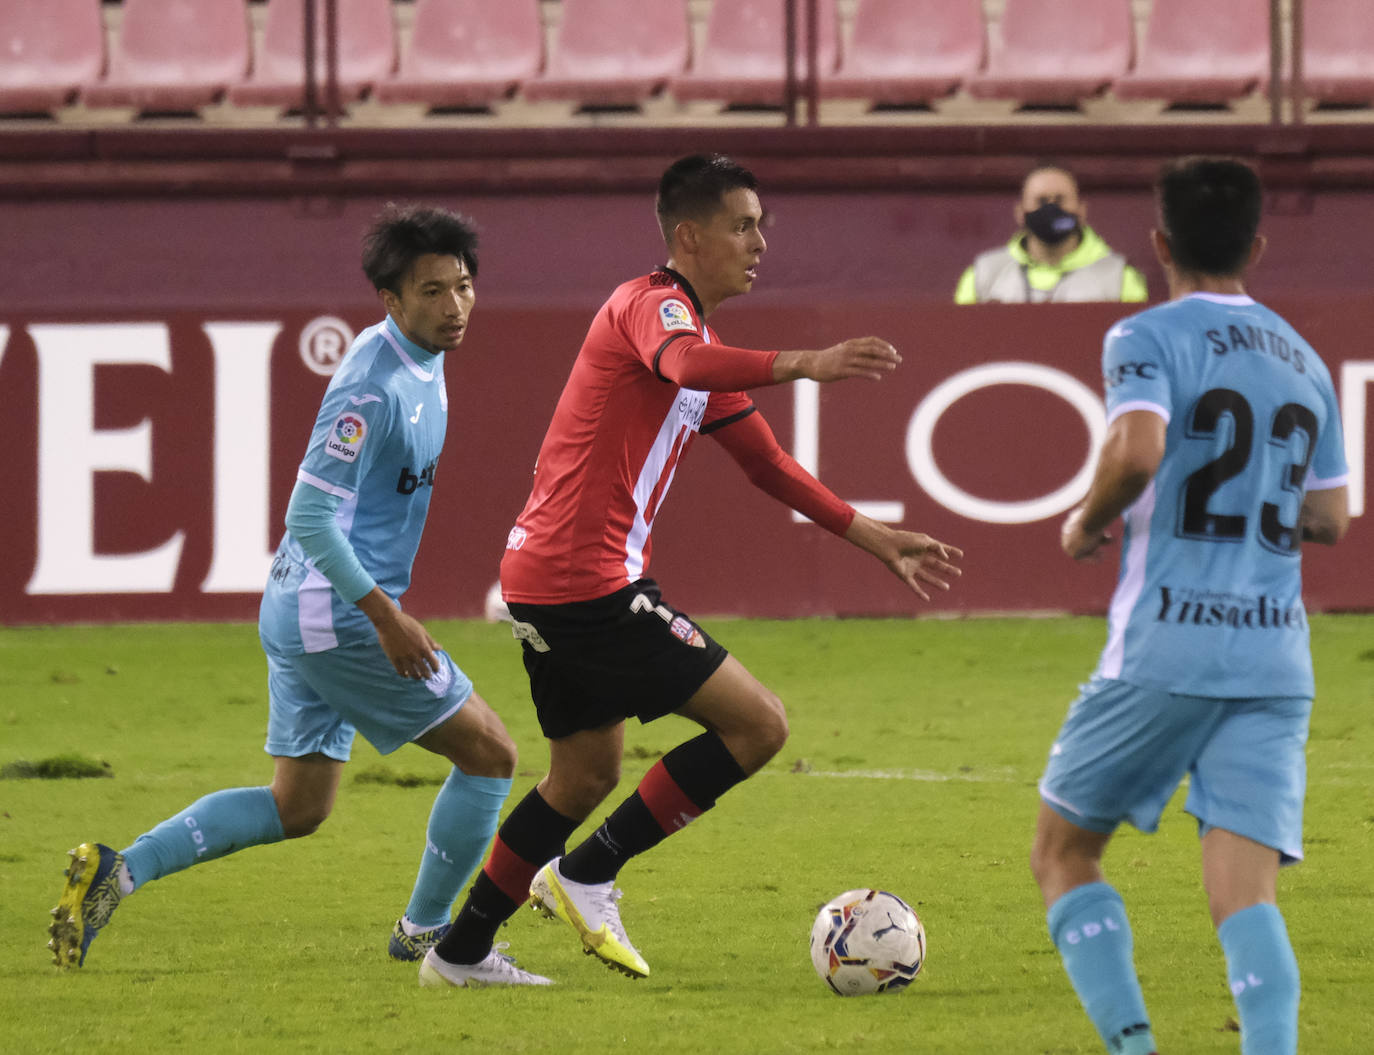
1003	775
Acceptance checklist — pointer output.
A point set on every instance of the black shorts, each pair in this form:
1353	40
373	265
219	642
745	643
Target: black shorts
595	663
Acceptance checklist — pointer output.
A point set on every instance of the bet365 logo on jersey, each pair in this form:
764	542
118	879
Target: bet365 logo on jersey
409	481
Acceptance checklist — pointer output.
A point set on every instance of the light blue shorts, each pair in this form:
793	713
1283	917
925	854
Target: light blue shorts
1123	750
318	699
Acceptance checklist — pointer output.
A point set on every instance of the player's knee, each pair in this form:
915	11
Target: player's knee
773	730
599	783
763	736
494	755
301	820
505	756
1049	859
576	790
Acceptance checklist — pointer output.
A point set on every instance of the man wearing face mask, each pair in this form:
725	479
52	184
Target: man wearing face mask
1053	257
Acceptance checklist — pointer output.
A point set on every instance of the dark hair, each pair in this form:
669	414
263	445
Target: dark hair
402	233
1209	211
692	188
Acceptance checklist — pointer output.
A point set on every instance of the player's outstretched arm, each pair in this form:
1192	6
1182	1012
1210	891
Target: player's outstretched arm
911	556
403	638
870	357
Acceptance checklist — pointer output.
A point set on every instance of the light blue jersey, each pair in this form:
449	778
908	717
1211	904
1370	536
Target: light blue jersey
375	446
1209	597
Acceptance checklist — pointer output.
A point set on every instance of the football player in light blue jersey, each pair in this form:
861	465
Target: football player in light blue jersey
341	654
1223	454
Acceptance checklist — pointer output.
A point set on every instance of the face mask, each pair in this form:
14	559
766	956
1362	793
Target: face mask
1051	224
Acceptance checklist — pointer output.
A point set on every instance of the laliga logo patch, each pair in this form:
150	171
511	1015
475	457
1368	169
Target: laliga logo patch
675	315
516	538
682	628
346	438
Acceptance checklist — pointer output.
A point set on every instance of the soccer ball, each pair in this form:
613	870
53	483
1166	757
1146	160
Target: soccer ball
867	941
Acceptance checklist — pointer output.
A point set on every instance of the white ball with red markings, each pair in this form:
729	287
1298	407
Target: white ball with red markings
867	941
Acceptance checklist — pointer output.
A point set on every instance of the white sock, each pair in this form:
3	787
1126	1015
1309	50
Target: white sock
412	929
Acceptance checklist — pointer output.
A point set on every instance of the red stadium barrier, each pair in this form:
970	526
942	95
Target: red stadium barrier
149	459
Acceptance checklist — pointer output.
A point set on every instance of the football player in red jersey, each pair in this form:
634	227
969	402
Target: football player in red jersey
600	644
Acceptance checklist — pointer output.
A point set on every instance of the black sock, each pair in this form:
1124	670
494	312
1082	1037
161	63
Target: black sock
677	790
531	836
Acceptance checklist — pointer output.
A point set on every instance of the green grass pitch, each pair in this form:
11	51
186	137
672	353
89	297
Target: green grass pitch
912	764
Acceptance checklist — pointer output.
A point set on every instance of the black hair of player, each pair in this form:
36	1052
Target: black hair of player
1209	212
692	188
401	234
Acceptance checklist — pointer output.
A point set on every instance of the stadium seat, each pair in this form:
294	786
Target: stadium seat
175	55
367	53
743	59
467	53
908	52
614	52
1210	54
1338	51
50	50
1057	52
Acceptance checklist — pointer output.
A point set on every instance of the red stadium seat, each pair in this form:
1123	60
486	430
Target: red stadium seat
467	53
614	52
367	53
50	49
1201	53
743	59
175	54
1057	52
1338	51
908	52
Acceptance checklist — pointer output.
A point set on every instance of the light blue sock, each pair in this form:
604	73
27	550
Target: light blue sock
461	824
1088	925
218	824
1263	974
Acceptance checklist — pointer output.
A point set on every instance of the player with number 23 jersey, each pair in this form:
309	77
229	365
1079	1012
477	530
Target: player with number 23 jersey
1209	600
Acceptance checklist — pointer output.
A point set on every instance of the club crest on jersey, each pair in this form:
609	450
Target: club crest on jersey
675	315
345	439
681	627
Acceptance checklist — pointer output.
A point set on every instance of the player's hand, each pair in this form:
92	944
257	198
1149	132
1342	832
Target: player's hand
917	558
1078	543
870	357
408	645
911	556
403	638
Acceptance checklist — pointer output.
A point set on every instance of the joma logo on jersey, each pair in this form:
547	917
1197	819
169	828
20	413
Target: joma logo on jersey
1239	613
409	481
